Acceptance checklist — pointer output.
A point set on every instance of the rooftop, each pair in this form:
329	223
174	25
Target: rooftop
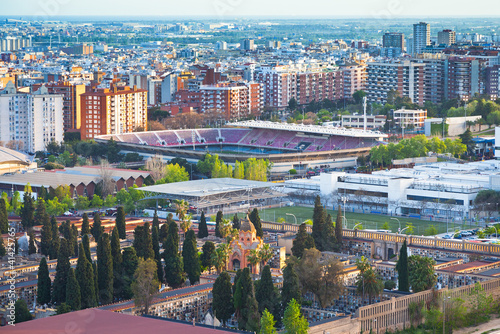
100	321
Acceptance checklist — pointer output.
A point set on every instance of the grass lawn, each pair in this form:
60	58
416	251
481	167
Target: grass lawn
368	221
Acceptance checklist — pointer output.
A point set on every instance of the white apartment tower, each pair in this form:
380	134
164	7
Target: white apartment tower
30	120
421	37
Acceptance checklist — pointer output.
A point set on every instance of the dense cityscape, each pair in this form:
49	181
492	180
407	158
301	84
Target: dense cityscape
235	172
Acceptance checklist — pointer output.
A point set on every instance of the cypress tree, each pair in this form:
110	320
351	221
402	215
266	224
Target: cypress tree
191	258
143	242
86	247
62	270
163	233
85	225
223	298
129	266
74	239
245	303
96	229
43	193
218	220
202	227
44	283
3	251
302	241
236	222
174	270
402	268
319	221
27	211
120	222
116	251
206	256
22	313
96	282
266	293
55	242
73	294
329	240
86	279
291	286
255	219
40	212
156	248
31	247
156	221
339	231
105	270
46	236
4	217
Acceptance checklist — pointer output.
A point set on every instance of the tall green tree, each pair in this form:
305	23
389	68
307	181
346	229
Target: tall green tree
62	270
120	222
206	256
156	249
145	284
129	266
73	294
223	298
31	247
402	269
46	236
255	219
191	258
319	224
86	247
368	283
202	227
302	241
96	281
266	293
245	303
236	222
174	269
55	242
218	221
97	230
156	221
40	212
421	273
105	270
143	242
294	321
339	231
44	283
267	323
22	313
85	225
291	286
3	251
28	211
86	280
116	251
4	217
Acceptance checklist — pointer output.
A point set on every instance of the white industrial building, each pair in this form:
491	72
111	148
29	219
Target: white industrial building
30	120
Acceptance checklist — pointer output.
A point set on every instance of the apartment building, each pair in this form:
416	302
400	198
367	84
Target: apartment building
421	37
315	86
279	85
357	121
464	77
434	76
14	43
113	111
352	78
393	44
233	100
31	120
406	77
414	119
71	101
446	37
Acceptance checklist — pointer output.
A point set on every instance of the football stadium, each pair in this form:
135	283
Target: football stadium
286	145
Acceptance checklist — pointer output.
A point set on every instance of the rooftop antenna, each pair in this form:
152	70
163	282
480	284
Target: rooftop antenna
364	113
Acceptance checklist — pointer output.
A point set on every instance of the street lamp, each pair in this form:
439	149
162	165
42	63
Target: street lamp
344	199
356	226
401	232
291	214
444	312
399	229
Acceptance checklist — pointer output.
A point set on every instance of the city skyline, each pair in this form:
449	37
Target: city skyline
240	8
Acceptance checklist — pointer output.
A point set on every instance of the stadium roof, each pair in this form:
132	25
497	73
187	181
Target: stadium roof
212	192
205	187
311	129
8	155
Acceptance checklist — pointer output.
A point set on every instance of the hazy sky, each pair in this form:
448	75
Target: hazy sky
230	8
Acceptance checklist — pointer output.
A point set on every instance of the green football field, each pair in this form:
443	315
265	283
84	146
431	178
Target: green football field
368	221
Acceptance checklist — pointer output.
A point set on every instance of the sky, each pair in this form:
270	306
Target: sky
238	8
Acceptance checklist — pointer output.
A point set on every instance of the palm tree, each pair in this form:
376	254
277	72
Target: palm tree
373	285
186	223
224	250
253	258
217	260
181	207
265	254
225	228
363	265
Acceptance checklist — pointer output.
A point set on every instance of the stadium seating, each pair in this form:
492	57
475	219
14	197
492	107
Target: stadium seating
210	135
129	138
168	137
233	136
